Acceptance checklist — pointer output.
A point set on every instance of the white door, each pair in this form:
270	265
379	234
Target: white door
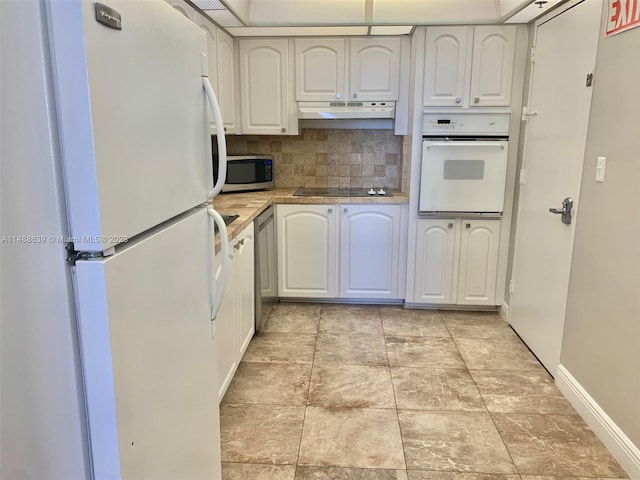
553	158
307	246
492	67
446	56
226	82
478	270
436	259
320	69
375	69
264	84
148	356
369	251
245	287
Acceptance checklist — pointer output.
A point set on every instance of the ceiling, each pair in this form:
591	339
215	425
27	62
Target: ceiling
362	17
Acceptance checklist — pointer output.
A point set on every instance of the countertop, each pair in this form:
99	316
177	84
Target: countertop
251	204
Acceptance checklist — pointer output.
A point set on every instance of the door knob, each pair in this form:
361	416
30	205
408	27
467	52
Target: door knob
566	210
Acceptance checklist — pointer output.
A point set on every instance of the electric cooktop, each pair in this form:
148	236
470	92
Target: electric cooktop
342	192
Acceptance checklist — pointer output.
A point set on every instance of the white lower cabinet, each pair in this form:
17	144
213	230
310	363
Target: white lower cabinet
456	261
369	251
307	246
339	251
235	320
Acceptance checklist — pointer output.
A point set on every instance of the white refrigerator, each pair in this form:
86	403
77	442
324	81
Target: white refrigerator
130	103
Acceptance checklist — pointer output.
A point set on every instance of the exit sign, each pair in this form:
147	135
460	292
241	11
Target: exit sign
623	15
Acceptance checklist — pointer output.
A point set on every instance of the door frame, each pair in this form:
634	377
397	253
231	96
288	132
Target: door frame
525	135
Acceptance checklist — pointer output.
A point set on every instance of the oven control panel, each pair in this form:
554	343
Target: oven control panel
471	123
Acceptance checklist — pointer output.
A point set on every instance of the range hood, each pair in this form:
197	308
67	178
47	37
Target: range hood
346	110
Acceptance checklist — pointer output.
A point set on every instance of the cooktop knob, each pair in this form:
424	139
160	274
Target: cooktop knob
371	192
381	192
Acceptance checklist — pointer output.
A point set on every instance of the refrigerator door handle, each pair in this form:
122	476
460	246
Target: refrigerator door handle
222	144
224	262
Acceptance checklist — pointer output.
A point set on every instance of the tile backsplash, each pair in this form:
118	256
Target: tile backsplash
329	158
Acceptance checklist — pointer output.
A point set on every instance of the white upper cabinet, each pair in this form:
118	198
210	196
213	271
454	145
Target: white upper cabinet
320	69
370	71
492	67
445	65
375	69
469	66
226	83
264	86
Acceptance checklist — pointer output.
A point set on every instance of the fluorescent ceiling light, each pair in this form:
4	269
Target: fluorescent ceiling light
391	29
209	4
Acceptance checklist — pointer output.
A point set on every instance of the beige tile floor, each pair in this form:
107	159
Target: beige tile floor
342	392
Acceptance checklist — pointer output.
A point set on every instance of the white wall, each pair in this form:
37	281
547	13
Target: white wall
601	344
41	410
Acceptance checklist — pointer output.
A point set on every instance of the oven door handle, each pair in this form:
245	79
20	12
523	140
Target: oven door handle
465	144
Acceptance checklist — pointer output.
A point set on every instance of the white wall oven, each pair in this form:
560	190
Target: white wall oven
464	163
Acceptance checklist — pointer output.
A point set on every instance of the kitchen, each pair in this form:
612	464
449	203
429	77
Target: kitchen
600	333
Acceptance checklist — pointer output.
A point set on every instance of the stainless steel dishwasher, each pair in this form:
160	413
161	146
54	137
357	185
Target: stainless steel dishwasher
266	266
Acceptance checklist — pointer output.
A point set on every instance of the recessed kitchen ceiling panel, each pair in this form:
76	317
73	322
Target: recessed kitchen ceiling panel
306	12
426	12
532	11
224	18
507	7
297	31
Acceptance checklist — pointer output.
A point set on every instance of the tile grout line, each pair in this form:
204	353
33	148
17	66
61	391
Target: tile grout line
395	399
306	403
468	370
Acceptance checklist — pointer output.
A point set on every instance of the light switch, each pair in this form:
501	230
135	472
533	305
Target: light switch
600	166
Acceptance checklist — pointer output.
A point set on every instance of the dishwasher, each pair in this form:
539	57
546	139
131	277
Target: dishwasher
266	266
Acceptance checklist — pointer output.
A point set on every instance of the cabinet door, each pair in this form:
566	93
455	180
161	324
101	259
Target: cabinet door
264	86
320	69
245	287
369	251
436	253
227	329
212	56
375	69
492	68
477	273
182	7
307	245
446	54
226	82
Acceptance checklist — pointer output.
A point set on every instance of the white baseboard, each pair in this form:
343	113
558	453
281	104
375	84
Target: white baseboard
622	448
504	311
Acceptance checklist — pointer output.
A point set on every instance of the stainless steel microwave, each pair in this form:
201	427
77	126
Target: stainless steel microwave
246	172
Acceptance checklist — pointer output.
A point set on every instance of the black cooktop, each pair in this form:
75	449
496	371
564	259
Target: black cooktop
342	192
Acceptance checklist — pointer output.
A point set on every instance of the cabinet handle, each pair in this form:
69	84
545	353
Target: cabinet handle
355	95
468	225
225	129
346	210
338	96
450	225
284	130
329	210
476	100
458	100
239	244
